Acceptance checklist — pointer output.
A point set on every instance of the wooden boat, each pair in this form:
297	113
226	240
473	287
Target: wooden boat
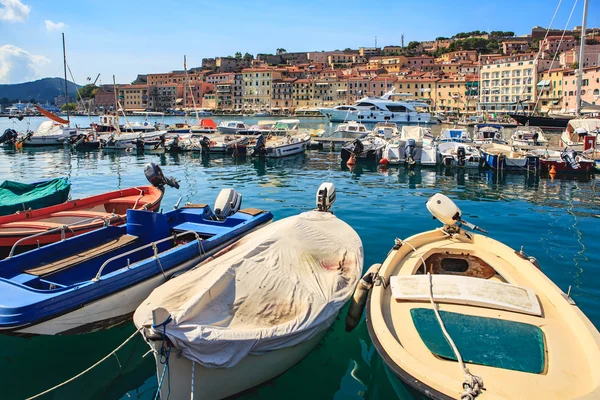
256	310
18	197
565	161
51	224
96	280
448	295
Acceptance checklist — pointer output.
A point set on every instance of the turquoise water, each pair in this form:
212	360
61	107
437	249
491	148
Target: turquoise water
555	220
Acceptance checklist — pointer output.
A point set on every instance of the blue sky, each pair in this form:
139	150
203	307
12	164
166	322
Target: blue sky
130	37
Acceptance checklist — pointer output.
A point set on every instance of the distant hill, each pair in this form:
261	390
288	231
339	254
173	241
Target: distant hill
41	90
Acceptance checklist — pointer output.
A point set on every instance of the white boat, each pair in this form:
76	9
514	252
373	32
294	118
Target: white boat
232	126
369	148
508	158
488	133
262	114
352	129
454	135
381	109
528	136
458	154
49	133
407	147
277	145
258	309
386	130
578	129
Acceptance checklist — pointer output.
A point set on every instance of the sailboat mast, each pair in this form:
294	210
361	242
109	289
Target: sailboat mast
581	59
66	82
118	127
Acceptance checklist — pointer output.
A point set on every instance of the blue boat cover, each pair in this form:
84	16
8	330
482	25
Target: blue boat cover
486	341
16	196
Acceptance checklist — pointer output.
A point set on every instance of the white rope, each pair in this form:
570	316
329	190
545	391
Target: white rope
87	370
139	197
472	384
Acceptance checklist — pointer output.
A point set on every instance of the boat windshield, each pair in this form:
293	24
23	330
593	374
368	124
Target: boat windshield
421	109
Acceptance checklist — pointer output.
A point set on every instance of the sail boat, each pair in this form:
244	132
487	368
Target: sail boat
560	121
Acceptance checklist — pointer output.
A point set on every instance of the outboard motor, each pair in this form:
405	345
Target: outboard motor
228	202
444	210
357	147
9	135
260	146
461	156
139	144
325	196
156	177
410	150
205	144
569	157
535	138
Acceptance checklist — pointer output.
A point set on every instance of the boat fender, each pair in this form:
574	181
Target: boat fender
359	299
535	262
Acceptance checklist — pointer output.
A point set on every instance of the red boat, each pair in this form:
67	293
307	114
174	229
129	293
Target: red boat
74	217
47	225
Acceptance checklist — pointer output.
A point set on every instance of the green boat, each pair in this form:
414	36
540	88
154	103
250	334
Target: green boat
17	196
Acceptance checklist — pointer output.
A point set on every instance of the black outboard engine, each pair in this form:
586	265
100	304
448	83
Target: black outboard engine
139	144
410	150
535	138
156	177
569	157
205	144
260	146
461	156
357	147
9	135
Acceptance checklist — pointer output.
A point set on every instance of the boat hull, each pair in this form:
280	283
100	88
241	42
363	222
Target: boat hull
503	163
587	166
248	373
285	150
377	116
542	122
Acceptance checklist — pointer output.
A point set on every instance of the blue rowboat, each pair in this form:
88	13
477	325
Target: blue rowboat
17	196
96	280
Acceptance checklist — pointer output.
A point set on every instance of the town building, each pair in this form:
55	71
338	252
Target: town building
557	44
282	98
392	50
133	97
457	56
591	55
513	46
369	51
258	84
590	88
303	93
550	90
105	98
164	97
418	62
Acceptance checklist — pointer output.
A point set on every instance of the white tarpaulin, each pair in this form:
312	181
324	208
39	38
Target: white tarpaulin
275	288
413	132
590	124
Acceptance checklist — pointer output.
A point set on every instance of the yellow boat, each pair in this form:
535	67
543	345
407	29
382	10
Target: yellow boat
455	314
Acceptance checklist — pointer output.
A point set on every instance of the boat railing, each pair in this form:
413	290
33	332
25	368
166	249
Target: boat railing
154	246
62	229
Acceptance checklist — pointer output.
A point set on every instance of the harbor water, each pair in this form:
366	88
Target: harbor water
555	220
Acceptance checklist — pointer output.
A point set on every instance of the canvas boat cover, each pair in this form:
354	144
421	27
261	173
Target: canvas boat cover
588	124
274	288
413	132
16	196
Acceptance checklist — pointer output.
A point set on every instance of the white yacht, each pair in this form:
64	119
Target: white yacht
381	109
352	129
49	133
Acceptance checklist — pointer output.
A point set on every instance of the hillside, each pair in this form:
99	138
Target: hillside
41	90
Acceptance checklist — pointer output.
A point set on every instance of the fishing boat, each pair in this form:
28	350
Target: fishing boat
22	197
407	147
283	139
205	127
255	311
352	129
369	148
509	158
96	280
232	127
458	154
564	161
456	314
528	137
578	129
52	223
488	133
49	133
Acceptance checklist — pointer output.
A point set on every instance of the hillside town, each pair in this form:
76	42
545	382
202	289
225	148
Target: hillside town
468	74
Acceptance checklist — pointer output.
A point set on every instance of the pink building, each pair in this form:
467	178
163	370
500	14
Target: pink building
553	44
591	54
515	46
590	87
418	62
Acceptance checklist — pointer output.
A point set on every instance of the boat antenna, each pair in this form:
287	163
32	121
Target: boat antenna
67	82
581	59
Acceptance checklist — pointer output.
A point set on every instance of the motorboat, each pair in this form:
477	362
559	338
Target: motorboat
456	314
528	137
459	154
454	135
277	145
406	148
381	109
504	157
488	133
369	148
386	130
578	129
220	144
263	126
19	197
258	309
263	113
232	127
352	129
49	133
204	127
564	161
96	280
56	221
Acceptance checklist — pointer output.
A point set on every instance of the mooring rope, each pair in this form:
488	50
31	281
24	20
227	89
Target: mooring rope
88	369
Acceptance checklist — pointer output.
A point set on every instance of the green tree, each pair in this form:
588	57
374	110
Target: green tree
347	49
413	45
280	51
441	38
248	56
68	106
508	34
574	65
87	91
238	55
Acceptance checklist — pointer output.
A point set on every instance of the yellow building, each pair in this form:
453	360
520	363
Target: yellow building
133	97
258	87
451	96
550	90
303	93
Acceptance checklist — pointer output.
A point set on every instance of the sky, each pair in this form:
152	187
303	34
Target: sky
129	37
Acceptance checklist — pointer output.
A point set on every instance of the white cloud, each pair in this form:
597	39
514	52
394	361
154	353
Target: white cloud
18	65
54	26
14	11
